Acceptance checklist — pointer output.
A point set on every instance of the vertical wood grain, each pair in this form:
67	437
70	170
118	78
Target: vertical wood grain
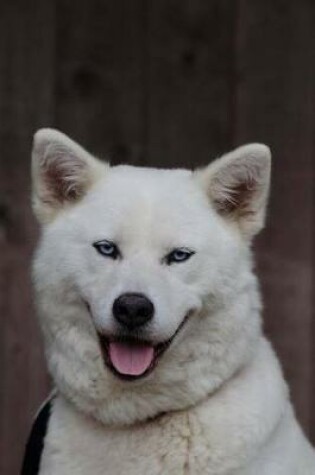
26	79
190	69
275	88
100	93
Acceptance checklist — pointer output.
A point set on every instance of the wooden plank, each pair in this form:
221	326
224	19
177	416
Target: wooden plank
26	80
100	93
275	52
190	77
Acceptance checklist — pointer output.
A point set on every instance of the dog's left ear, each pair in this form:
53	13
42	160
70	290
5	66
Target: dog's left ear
238	186
62	173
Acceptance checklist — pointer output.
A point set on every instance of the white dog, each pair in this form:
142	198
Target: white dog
152	319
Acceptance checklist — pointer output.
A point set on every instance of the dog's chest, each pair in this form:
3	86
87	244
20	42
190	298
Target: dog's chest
176	444
206	440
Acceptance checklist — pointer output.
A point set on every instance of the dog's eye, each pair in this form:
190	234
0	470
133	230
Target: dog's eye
107	249
178	255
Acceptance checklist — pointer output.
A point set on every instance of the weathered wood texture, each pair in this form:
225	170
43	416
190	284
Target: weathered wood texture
274	93
26	102
100	67
167	83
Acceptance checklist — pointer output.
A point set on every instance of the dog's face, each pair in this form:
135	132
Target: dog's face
143	276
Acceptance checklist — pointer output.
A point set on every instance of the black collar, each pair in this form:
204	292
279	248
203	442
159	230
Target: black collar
35	443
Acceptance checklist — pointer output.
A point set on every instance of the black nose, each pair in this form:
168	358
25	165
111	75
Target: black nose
133	310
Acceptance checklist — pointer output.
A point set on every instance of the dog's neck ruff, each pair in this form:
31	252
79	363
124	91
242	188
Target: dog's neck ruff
130	404
202	400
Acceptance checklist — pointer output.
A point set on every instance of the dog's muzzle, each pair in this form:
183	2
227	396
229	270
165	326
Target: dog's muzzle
131	357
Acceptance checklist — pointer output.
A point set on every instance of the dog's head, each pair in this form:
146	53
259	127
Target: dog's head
143	276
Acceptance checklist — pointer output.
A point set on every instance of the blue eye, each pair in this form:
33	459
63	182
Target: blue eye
107	249
180	254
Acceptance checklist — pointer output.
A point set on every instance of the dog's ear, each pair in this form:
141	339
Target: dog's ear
62	172
238	186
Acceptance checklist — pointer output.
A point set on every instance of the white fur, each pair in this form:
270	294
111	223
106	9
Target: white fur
216	403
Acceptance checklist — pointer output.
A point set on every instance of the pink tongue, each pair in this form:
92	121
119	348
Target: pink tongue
132	360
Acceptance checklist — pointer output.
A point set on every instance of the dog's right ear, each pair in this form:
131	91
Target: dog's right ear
238	186
62	172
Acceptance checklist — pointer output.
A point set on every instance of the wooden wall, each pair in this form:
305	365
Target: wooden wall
165	83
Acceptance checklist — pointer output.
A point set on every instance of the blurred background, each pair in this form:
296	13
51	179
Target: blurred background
170	83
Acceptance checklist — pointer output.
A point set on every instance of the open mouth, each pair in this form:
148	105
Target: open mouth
132	358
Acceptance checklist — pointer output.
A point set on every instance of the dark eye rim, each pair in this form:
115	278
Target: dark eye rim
169	258
98	246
